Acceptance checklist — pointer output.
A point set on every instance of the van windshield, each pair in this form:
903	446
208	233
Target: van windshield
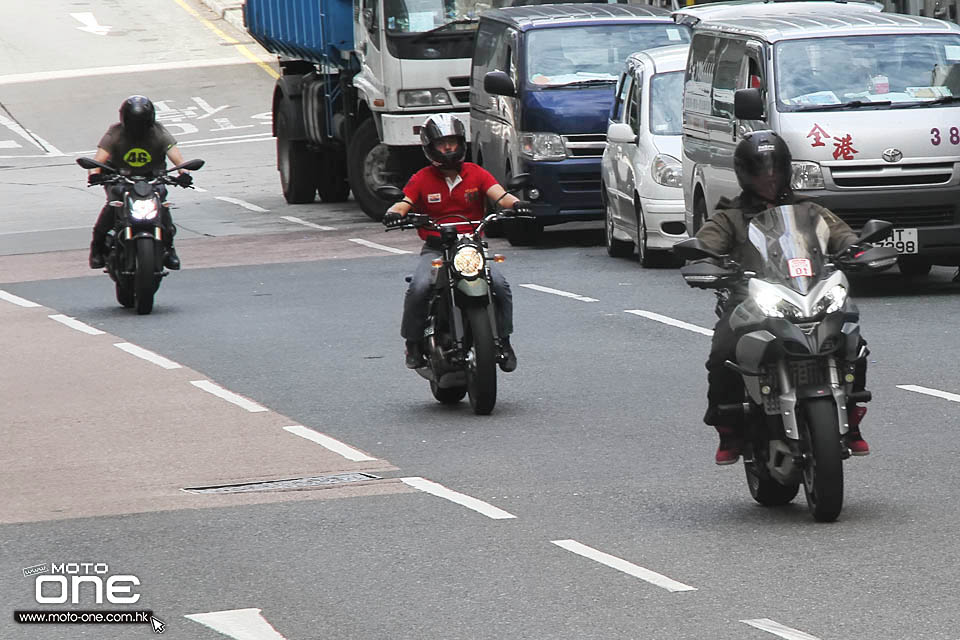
666	104
855	71
417	16
568	56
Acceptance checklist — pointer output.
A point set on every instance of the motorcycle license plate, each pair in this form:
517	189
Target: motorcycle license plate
903	240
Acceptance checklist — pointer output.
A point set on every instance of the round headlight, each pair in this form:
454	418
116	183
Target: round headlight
468	261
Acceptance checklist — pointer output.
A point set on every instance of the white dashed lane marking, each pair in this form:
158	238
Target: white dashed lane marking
670	321
381	247
17	300
620	564
229	396
558	292
308	224
76	324
936	393
327	442
244	204
147	355
241	624
777	629
441	491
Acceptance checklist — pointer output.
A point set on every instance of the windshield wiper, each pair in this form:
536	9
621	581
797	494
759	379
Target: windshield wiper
855	104
927	103
443	27
585	83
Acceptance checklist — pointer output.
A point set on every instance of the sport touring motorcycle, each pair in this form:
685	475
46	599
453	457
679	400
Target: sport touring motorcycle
461	341
135	246
798	343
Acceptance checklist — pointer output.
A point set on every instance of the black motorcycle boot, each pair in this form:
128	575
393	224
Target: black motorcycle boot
508	358
414	357
172	260
96	255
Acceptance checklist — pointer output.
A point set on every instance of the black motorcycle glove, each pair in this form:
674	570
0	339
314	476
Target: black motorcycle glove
184	179
522	208
392	219
94	179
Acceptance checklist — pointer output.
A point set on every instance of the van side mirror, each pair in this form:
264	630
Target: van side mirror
747	104
874	230
622	133
499	83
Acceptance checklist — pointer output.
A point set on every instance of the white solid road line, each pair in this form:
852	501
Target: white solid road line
777	629
441	491
150	356
244	204
30	137
109	71
308	224
240	624
558	292
622	565
17	300
670	321
327	442
76	324
268	138
946	395
229	396
374	245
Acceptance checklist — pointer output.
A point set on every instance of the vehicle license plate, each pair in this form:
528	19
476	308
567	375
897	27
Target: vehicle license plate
903	240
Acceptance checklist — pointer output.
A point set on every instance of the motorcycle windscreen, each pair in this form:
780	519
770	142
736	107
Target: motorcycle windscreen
792	243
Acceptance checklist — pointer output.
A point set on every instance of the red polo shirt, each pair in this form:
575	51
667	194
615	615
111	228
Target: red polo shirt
430	194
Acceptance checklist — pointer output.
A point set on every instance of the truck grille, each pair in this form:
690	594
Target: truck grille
886	176
585	145
934	216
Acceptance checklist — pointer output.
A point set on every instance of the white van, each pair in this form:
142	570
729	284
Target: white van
869	103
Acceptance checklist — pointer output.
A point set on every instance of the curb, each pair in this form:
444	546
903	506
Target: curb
229	10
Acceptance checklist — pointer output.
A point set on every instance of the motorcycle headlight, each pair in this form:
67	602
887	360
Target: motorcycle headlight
468	261
423	97
143	209
775	306
667	171
832	300
542	146
806	175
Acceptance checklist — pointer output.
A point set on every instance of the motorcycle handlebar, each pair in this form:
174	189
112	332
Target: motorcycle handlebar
421	220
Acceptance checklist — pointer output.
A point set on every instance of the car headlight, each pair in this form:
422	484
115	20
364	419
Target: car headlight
423	97
143	209
831	301
542	146
468	261
806	175
775	306
667	171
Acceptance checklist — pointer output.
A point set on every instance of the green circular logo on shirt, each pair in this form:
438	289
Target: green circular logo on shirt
137	157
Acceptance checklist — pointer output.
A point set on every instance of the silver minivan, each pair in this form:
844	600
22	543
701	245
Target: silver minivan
869	103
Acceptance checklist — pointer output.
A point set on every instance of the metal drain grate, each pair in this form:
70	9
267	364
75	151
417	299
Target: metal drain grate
291	483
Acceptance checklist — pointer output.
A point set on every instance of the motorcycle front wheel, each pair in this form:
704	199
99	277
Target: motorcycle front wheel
823	467
145	279
481	361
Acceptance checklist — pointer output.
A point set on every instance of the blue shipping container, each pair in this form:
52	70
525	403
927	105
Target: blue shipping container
314	30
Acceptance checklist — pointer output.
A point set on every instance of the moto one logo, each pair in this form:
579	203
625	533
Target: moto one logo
83	581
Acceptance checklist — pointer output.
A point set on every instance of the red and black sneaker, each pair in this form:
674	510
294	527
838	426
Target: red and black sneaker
855	442
728	452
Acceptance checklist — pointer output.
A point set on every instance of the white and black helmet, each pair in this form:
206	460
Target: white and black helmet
444	125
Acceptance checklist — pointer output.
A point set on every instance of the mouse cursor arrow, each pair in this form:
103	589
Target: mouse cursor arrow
158	624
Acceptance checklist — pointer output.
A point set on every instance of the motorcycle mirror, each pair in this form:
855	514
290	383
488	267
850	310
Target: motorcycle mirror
190	165
704	275
875	230
692	249
518	181
90	163
389	192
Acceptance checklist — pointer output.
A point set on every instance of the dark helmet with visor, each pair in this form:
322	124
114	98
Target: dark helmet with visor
444	125
137	115
762	164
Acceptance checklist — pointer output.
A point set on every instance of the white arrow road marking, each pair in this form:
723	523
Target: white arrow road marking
374	245
777	629
441	491
17	300
327	442
244	204
936	393
240	624
73	323
558	292
147	355
10	144
29	136
90	24
229	396
671	321
622	565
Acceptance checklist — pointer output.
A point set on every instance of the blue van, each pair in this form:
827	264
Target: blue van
542	83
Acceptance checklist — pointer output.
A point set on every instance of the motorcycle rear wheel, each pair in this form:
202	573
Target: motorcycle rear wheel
482	365
448	395
145	279
823	471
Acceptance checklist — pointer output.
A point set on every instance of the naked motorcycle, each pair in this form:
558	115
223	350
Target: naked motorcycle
135	246
797	351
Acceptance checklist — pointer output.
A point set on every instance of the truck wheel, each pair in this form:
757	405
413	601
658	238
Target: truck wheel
297	164
332	185
367	162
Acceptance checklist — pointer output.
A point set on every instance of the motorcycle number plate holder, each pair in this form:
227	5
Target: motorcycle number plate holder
903	240
800	267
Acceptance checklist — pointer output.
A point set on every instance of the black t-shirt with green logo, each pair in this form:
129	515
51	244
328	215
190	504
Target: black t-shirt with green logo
143	155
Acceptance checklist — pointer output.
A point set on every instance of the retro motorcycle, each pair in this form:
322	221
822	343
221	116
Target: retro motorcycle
461	341
797	349
135	245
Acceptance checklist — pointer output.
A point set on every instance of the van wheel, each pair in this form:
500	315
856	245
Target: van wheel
615	248
699	212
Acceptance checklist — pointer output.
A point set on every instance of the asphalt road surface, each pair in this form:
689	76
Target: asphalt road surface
586	506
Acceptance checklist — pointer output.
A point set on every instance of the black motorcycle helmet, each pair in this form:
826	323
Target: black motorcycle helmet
137	115
762	164
444	125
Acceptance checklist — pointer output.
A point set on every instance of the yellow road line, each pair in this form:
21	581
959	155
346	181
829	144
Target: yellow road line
242	49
